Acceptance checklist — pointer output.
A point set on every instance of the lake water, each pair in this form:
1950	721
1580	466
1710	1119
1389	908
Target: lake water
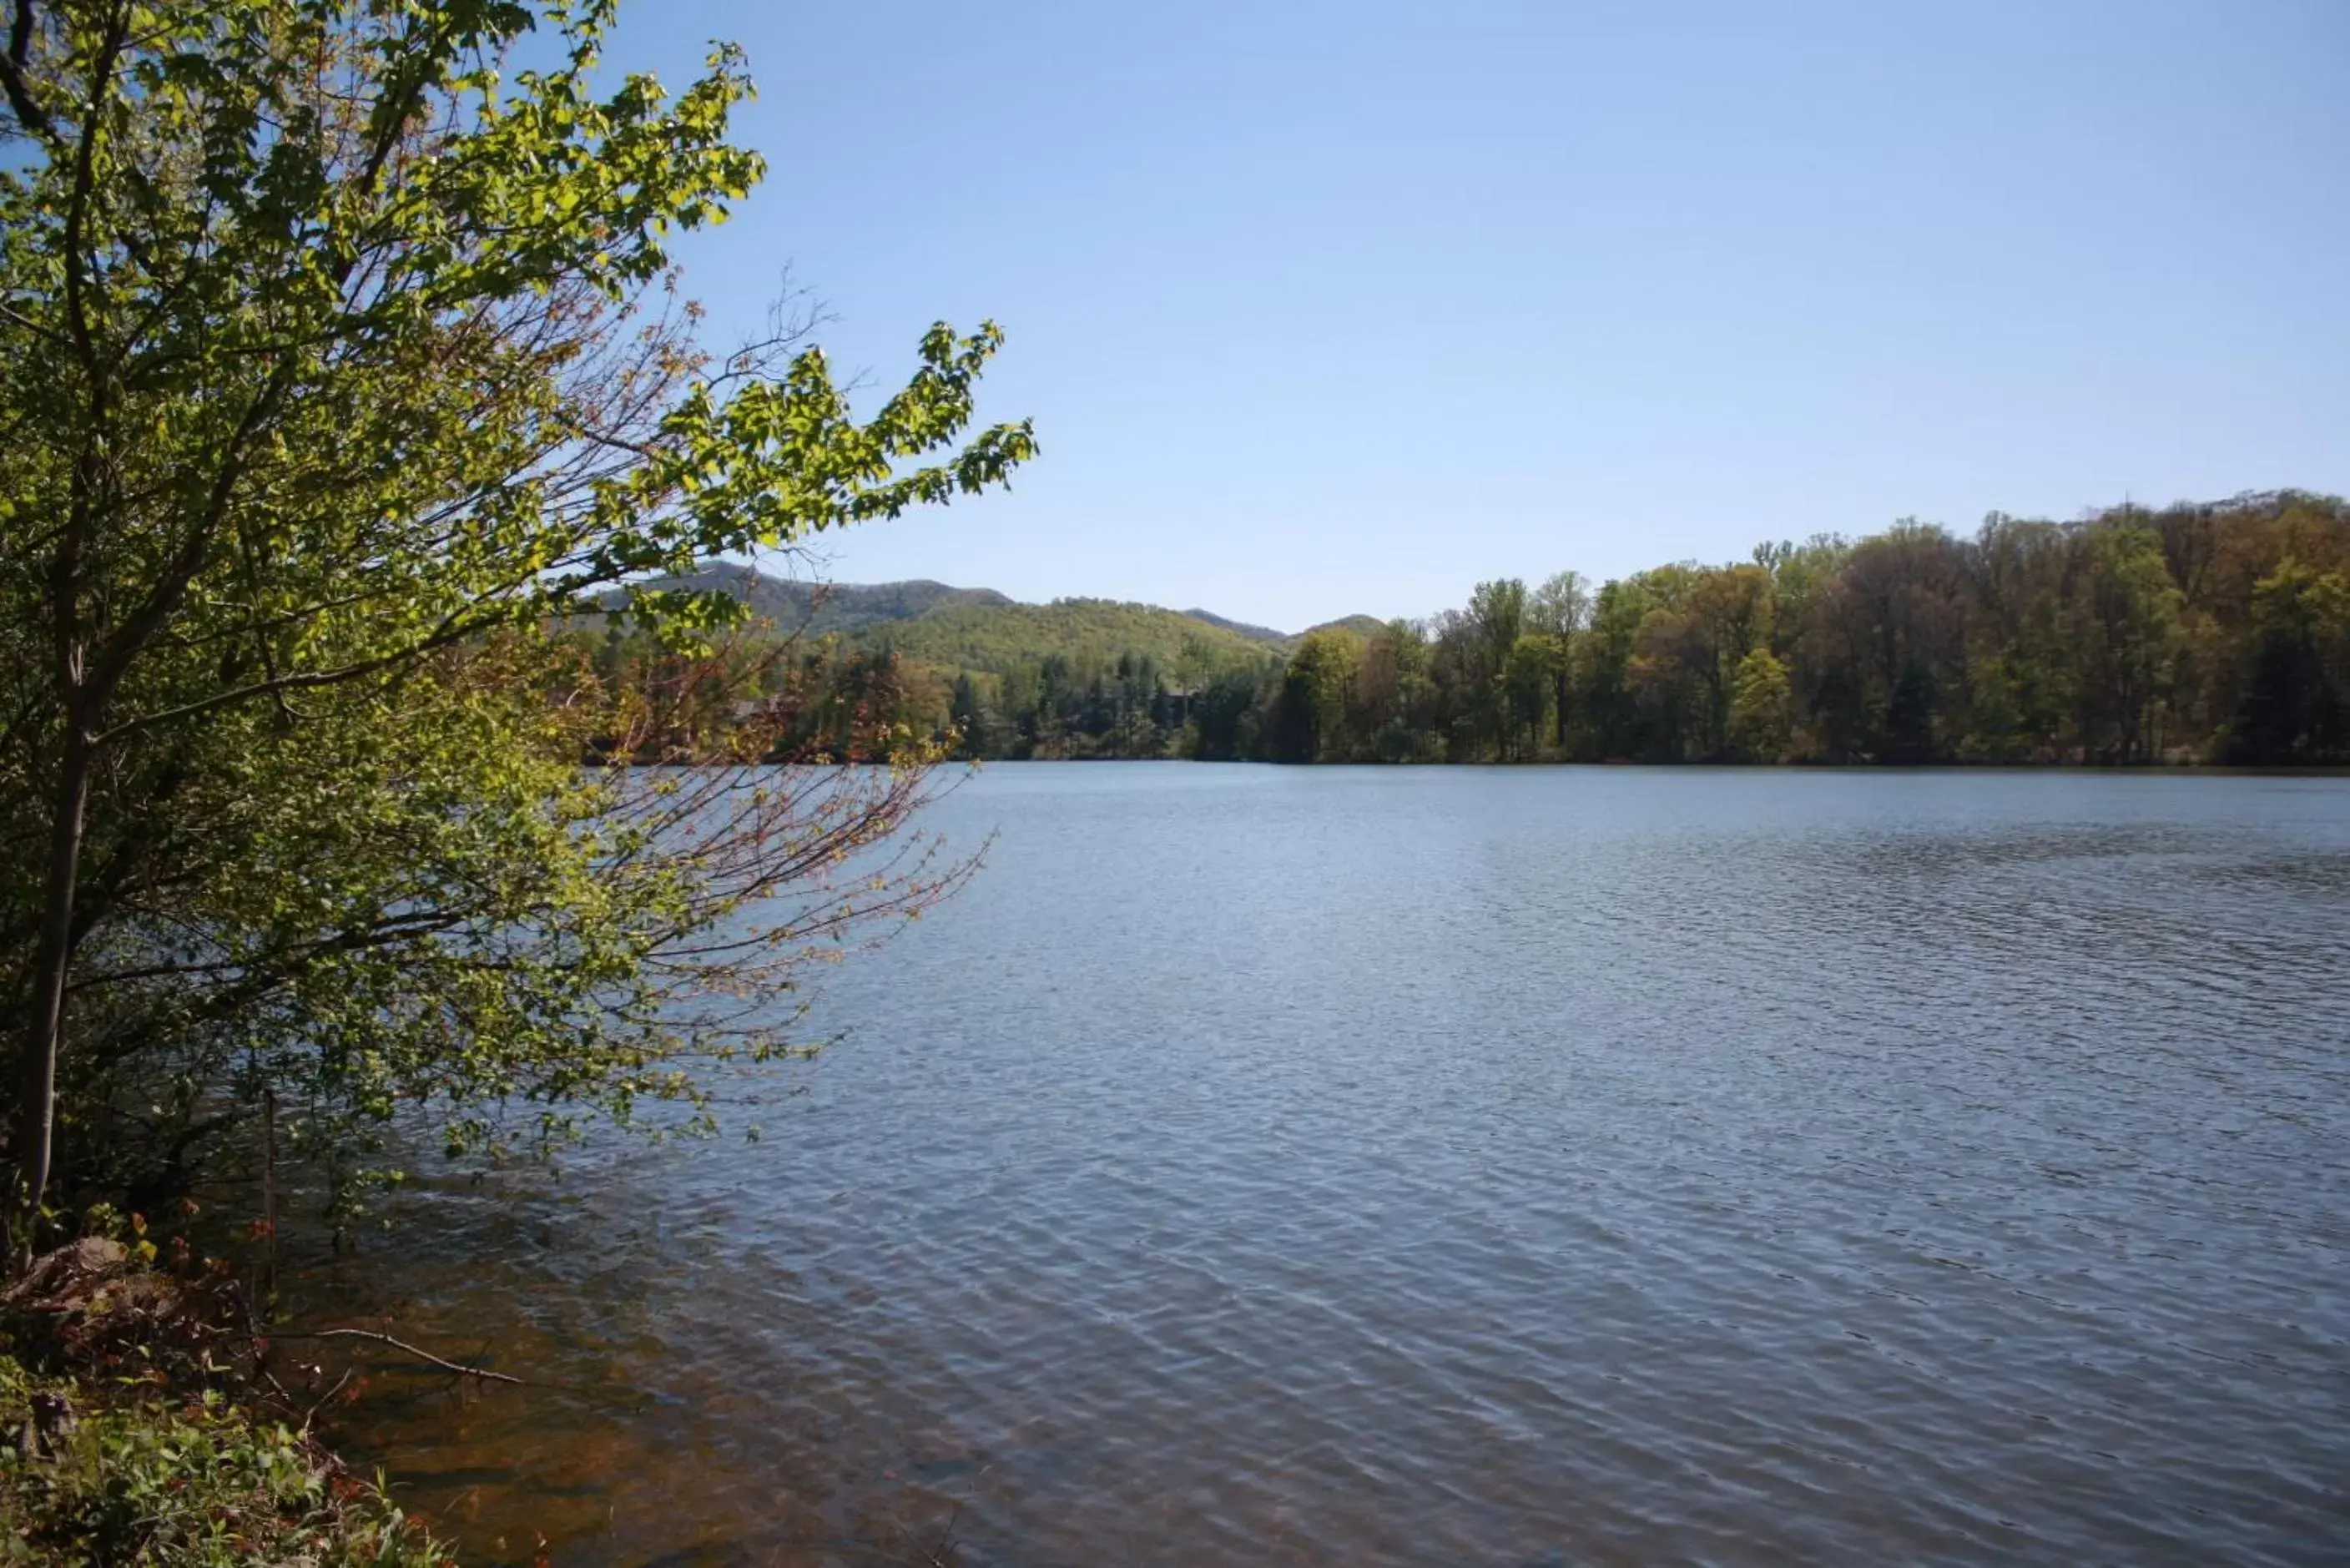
1461	1166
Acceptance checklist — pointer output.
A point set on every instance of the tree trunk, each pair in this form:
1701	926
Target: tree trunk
32	1137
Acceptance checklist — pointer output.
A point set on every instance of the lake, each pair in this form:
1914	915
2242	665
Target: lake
1462	1165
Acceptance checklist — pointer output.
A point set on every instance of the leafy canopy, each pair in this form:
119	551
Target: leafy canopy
343	361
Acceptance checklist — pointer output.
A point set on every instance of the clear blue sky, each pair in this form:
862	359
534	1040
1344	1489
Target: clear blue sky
1334	307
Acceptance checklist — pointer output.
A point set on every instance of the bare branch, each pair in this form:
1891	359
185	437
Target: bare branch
422	1354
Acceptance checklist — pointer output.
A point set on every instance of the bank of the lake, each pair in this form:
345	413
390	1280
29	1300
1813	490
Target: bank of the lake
1448	1165
139	1424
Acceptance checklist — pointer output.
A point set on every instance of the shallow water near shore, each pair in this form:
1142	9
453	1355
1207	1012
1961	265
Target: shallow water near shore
1447	1164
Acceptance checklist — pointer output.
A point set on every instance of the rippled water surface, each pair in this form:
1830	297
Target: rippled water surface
1452	1166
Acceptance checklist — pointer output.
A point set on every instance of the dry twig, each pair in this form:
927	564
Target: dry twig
417	1350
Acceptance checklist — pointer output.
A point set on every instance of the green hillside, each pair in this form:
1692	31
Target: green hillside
814	609
953	629
1254	633
989	677
996	639
982	629
1363	626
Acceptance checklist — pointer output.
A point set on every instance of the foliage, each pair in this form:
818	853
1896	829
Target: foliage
343	371
2215	632
2295	705
964	670
129	1482
1004	639
792	607
1762	710
1315	691
1076	678
2202	632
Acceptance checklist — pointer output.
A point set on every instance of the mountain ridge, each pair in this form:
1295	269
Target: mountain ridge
796	606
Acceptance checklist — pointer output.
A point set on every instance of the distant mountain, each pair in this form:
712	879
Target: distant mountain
1362	625
813	610
996	638
1254	633
982	629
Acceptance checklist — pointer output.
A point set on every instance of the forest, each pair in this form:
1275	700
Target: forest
2203	633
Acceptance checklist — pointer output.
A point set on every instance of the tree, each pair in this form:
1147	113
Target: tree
1481	641
2296	704
1530	678
342	367
1762	710
1390	711
1910	711
1605	700
2021	660
978	730
1315	695
1562	605
1719	616
2128	629
1224	718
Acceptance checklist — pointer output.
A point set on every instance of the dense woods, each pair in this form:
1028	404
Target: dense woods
2211	633
2215	633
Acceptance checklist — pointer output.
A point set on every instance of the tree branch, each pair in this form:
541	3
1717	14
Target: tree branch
19	91
482	1372
447	632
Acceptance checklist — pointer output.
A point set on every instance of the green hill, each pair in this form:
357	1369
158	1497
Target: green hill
813	610
1363	626
940	632
1254	633
996	638
996	677
982	631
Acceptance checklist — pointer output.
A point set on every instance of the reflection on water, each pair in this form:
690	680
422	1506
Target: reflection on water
1454	1165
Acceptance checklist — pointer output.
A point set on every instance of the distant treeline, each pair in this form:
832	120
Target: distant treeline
2196	633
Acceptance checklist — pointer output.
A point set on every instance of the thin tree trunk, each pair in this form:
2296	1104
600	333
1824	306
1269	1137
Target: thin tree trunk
45	1018
269	1191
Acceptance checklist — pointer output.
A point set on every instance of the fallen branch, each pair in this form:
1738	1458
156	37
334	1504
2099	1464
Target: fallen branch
417	1350
311	1414
943	1554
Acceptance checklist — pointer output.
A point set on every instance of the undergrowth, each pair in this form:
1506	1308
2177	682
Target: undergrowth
85	1479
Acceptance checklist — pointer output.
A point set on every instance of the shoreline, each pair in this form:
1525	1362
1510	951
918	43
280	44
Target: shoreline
126	1440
